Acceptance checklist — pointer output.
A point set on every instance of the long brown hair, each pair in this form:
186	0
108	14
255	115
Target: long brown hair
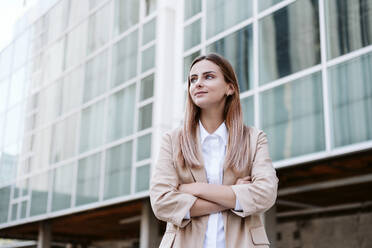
237	147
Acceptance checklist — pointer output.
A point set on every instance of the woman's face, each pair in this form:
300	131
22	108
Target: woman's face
208	87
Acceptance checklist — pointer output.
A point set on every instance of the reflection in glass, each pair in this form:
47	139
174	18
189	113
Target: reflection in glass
13	125
237	48
148	58
264	4
144	147
220	17
142	178
248	110
72	89
95	76
124	59
126	15
6	55
289	40
351	99
150	6
56	20
39	193
14	212
147	87
187	62
3	96
349	25
4	203
17	87
192	35
63	139
40	158
24	209
77	11
145	117
118	170
98	31
149	31
76	45
192	7
62	187
91	133
121	113
88	179
21	46
54	60
292	117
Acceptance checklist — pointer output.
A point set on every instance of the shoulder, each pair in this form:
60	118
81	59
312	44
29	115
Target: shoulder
253	132
172	136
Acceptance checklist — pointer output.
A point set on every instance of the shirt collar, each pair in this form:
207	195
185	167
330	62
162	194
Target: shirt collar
220	132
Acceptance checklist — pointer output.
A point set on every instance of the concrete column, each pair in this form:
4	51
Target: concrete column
45	235
269	220
149	229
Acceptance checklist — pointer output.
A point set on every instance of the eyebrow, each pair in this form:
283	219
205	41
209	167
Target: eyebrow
207	72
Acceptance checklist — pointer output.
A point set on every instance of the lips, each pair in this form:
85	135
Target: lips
200	93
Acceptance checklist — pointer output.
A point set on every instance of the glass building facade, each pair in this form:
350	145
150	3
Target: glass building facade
78	90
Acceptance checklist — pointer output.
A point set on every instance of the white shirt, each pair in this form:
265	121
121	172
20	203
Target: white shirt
213	151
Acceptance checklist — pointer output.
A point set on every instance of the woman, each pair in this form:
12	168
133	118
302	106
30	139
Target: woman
214	176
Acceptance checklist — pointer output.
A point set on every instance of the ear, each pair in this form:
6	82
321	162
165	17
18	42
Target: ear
230	90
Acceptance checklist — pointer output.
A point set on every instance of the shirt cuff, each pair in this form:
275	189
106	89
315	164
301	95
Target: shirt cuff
187	217
237	205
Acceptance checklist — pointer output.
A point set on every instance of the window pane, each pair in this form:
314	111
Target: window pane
192	35
76	45
4	86
124	59
187	62
292	117
21	46
57	19
72	89
150	6
23	209
14	211
192	7
142	178
13	124
91	131
220	17
118	170
351	99
145	117
62	187
289	40
39	193
4	203
78	10
149	31
17	87
264	4
147	87
237	48
6	57
54	62
121	113
126	15
349	25
248	110
144	147
98	31
50	99
88	179
95	76
64	139
148	58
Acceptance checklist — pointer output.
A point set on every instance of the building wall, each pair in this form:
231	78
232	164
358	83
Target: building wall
88	87
341	231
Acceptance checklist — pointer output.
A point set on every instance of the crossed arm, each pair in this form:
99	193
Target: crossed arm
212	198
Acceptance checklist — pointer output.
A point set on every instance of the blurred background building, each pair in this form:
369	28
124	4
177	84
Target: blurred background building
88	87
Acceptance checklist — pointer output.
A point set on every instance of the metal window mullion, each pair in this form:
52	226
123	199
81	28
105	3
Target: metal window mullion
256	103
323	50
203	26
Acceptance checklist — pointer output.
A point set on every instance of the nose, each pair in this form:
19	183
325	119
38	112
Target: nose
199	83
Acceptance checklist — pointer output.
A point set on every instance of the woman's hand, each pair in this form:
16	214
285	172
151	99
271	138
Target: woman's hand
244	180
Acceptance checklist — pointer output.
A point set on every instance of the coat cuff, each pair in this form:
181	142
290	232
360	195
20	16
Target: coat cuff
183	207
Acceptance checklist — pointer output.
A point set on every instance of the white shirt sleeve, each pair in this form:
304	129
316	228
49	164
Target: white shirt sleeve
187	217
237	205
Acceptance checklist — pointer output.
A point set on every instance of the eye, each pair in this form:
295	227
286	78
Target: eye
193	80
209	77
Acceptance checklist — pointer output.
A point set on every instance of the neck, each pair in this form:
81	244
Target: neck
211	119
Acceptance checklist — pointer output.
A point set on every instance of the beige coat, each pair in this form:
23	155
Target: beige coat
242	229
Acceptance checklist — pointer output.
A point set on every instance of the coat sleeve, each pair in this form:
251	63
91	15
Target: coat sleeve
260	195
167	202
